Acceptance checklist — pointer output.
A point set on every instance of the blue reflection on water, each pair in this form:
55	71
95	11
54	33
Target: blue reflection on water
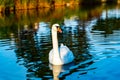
9	70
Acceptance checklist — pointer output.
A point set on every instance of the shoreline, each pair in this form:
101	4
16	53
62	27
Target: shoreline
44	4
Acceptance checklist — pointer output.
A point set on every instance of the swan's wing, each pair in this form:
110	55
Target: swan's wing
66	54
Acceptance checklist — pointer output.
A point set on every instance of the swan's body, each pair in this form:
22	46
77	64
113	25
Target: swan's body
61	55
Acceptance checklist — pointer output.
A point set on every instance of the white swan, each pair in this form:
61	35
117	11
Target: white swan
61	55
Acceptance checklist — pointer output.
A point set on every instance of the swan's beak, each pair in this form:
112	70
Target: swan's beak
59	30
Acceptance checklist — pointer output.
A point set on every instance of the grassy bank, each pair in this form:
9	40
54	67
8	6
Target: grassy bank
13	5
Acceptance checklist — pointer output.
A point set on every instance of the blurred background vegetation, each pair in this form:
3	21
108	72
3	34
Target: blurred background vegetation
12	5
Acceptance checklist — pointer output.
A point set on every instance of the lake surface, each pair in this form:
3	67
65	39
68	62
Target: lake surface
92	34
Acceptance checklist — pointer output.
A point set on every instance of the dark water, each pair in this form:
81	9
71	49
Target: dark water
92	34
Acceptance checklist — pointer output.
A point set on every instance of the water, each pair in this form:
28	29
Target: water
92	34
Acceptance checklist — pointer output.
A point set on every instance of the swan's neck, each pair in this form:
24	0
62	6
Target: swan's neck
55	43
56	55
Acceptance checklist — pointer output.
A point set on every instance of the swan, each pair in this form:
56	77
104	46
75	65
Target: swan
59	55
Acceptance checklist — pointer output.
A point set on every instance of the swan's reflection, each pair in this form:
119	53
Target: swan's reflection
57	69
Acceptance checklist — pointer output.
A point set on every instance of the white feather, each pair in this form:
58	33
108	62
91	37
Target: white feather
59	55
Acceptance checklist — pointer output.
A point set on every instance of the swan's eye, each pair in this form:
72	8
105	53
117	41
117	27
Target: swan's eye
59	30
57	26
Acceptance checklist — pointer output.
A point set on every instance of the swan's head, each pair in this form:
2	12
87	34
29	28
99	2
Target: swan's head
56	27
